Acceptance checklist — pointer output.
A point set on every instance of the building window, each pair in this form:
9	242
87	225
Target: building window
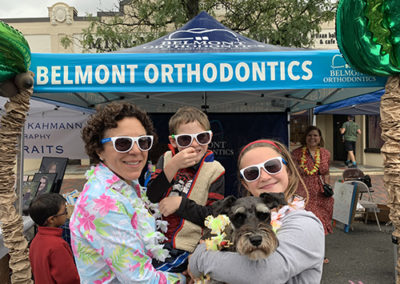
374	141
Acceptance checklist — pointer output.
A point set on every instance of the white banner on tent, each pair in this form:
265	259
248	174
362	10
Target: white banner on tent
53	131
54	136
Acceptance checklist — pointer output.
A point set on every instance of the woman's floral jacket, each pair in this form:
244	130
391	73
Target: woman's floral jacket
113	236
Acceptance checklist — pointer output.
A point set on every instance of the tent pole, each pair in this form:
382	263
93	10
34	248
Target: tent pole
288	127
205	106
314	118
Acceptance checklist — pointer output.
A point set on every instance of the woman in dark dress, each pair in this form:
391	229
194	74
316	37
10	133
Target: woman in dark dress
313	162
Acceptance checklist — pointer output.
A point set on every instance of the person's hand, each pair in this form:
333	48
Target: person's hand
189	278
189	273
169	205
185	158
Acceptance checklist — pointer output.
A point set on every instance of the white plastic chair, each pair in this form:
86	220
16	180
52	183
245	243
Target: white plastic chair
369	204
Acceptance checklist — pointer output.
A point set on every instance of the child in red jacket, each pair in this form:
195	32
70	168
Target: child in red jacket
50	256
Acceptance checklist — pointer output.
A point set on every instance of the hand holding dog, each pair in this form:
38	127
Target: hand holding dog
169	205
189	276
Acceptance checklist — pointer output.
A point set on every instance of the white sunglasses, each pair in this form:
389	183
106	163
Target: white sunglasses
185	140
123	144
272	166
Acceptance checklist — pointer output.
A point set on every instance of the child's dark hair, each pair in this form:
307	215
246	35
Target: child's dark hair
45	206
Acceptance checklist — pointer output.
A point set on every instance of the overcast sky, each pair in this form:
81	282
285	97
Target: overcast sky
38	8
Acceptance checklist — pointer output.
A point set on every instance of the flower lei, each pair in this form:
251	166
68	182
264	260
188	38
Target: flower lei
152	238
217	226
276	216
303	161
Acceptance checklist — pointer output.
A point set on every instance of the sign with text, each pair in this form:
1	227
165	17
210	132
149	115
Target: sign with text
173	72
57	136
52	130
344	195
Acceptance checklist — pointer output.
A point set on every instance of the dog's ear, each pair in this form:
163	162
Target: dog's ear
273	199
222	206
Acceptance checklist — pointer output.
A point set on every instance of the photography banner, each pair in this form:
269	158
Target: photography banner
55	134
177	72
52	130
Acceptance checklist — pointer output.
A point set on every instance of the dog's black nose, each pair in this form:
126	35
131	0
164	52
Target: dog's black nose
255	240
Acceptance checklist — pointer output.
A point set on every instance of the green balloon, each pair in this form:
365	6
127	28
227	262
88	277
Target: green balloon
368	35
15	54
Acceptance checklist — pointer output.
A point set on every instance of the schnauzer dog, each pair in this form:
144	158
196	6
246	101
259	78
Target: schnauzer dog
251	232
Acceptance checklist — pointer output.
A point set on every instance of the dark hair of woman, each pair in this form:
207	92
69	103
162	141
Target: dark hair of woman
107	117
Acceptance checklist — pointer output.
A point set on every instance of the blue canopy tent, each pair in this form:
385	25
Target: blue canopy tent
248	88
367	104
206	65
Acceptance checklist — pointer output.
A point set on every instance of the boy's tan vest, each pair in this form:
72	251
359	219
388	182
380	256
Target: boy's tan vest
188	234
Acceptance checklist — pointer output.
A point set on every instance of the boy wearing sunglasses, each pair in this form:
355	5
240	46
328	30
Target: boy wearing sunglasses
50	256
186	182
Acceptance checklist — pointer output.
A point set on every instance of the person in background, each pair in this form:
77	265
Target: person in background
113	226
266	166
187	180
50	256
313	163
350	130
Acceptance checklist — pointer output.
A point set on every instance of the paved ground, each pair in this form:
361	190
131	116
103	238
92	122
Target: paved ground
362	256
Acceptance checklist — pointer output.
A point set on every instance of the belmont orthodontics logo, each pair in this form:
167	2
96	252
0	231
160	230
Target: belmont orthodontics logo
198	39
341	72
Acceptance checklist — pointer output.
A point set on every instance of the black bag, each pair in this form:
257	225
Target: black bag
367	180
328	190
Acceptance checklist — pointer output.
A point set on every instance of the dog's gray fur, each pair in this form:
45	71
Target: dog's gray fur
250	231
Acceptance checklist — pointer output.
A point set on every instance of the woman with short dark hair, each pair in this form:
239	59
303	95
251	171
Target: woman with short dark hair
113	234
